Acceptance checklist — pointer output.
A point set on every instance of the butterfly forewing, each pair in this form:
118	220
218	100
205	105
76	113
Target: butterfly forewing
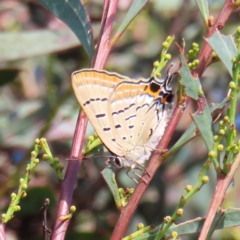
93	89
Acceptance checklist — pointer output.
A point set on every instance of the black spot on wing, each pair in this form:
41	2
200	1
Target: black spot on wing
132	116
92	99
139	107
118	126
131	105
150	132
124	138
86	103
104	99
113	139
154	87
101	115
107	129
131	126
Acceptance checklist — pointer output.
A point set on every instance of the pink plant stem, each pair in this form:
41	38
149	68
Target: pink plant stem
2	232
68	183
223	182
156	161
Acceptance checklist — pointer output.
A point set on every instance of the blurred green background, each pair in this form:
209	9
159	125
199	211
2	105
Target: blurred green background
38	53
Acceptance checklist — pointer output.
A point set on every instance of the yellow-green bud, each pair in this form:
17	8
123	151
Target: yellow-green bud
174	235
158	75
238	29
37	141
43	140
188	188
60	166
3	215
21	180
95	135
190	52
195	45
220	147
13	195
140	226
45	157
205	179
131	191
24	194
214	55
232	85
156	64
196	62
222	132
168	56
33	154
56	160
121	190
180	212
212	154
24	186
165	44
36	160
17	208
73	209
234	59
190	65
215	138
226	119
169	38
90	138
167	219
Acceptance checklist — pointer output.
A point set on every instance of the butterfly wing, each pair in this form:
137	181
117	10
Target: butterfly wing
139	112
93	89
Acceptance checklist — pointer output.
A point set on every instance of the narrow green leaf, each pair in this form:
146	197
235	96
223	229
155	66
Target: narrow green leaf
134	9
192	85
73	13
204	124
190	132
203	7
224	218
54	41
109	177
224	47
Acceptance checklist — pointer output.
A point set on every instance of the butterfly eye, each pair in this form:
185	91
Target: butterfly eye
117	161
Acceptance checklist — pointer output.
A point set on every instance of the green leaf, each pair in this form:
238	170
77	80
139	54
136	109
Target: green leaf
203	7
54	41
73	13
7	75
134	9
224	47
223	219
204	124
189	134
109	177
192	85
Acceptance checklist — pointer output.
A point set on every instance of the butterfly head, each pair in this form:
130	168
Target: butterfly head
117	161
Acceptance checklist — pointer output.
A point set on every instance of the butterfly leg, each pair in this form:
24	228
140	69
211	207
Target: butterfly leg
132	170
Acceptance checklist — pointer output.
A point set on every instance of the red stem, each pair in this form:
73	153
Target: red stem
68	183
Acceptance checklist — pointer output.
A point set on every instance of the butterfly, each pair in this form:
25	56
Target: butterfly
130	116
